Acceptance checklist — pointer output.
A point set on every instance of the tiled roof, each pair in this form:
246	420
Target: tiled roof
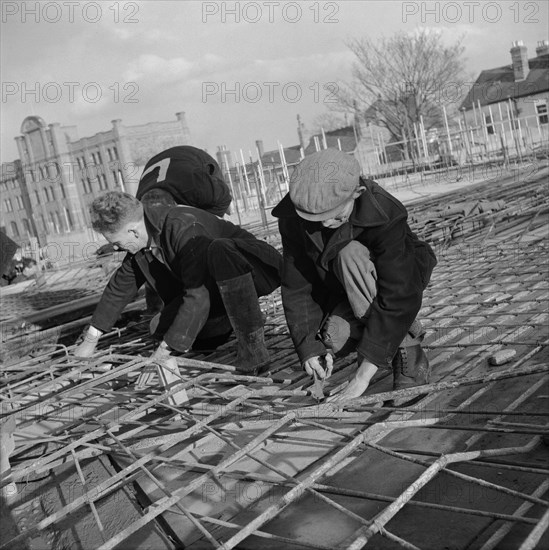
495	85
345	135
291	154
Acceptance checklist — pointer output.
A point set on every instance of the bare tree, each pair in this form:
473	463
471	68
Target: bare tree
329	121
404	77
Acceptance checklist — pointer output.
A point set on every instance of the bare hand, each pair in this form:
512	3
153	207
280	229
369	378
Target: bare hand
323	366
358	384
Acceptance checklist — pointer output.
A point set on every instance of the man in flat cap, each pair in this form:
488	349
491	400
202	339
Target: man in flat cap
354	273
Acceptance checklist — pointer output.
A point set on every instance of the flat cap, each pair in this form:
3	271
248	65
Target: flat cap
322	182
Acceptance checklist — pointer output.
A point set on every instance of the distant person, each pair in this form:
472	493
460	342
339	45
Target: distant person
208	272
354	273
8	248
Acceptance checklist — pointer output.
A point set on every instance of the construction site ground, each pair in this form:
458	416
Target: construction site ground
256	462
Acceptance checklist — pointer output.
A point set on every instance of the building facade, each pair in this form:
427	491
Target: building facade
508	106
48	190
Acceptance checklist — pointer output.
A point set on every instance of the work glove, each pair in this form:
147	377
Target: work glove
88	342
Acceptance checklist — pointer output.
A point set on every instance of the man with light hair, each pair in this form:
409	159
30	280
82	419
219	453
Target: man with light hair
207	271
354	274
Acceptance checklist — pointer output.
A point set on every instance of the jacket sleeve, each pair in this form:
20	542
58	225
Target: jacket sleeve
399	293
189	243
300	287
220	199
119	292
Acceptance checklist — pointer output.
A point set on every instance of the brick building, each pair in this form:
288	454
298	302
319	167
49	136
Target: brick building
48	190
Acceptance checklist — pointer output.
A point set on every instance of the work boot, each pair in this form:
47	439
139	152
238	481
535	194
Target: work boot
242	304
410	367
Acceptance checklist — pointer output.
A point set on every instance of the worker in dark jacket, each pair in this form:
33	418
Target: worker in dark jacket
182	175
354	273
208	272
185	175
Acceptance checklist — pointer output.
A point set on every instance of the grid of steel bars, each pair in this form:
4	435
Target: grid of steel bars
489	293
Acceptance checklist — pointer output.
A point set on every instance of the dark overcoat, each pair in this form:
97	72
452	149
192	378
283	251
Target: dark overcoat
310	288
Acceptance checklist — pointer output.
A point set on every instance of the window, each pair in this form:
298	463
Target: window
541	109
102	182
115	152
489	126
109	154
9	206
44	226
99	160
89	187
52	194
68	219
62	188
115	178
37	195
55	220
26	227
19	202
79	162
14	229
47	193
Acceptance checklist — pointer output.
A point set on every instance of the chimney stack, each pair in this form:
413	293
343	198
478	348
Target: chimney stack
300	132
519	57
543	48
259	145
224	158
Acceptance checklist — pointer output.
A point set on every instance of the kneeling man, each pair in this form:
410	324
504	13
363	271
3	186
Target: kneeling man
207	271
354	273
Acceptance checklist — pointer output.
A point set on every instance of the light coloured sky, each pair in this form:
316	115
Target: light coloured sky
147	60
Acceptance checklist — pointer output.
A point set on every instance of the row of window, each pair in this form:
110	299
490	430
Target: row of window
101	179
49	194
541	112
97	159
55	223
14	184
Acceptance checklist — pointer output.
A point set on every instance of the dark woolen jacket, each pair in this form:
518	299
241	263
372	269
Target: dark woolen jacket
183	234
191	176
310	289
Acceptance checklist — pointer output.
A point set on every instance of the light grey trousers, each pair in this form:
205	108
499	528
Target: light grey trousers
342	329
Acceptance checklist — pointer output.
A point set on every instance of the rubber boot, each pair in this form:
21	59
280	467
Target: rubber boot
410	367
242	305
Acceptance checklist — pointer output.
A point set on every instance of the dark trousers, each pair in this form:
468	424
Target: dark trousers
343	329
224	262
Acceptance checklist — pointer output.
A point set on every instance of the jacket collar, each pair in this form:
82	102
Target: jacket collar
367	211
155	217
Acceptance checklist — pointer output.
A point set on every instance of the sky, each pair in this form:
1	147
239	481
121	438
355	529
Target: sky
241	71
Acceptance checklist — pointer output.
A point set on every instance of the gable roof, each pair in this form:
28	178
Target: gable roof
495	85
291	154
345	135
